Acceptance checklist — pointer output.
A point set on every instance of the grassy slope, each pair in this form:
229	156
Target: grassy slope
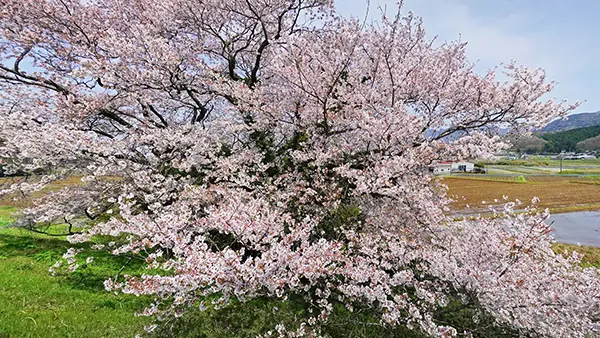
35	304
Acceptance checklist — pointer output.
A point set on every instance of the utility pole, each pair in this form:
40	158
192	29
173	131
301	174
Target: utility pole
561	159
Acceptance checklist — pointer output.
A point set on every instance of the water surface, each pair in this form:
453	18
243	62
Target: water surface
577	227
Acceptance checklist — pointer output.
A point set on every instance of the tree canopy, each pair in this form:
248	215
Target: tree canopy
568	140
272	148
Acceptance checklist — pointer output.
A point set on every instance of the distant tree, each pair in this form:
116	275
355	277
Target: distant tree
549	147
590	144
273	149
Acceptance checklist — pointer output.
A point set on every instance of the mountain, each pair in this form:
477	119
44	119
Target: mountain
572	122
530	145
569	139
590	144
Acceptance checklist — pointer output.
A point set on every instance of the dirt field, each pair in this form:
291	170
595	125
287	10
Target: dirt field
561	194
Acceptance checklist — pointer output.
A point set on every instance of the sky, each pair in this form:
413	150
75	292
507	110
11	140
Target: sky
561	36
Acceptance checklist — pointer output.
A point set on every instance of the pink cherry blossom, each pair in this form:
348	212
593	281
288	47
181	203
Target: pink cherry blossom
270	148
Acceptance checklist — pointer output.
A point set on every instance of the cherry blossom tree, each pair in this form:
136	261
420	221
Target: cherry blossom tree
268	148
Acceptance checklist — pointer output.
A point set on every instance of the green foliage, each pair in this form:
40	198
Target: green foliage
521	179
470	318
235	320
264	141
261	315
295	142
345	216
567	140
521	163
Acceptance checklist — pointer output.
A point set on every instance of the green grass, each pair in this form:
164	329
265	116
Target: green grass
590	172
6	215
591	255
36	304
576	208
543	162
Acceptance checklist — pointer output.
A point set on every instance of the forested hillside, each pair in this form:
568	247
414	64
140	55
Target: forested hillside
567	140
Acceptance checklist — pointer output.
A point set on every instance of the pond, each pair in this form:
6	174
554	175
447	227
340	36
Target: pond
577	227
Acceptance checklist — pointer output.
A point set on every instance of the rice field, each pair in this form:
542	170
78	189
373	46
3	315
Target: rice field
560	194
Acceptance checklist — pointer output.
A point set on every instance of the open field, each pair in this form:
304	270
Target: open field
536	161
543	165
560	194
505	169
586	171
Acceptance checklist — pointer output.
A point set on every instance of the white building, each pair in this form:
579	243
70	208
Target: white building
441	168
452	167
